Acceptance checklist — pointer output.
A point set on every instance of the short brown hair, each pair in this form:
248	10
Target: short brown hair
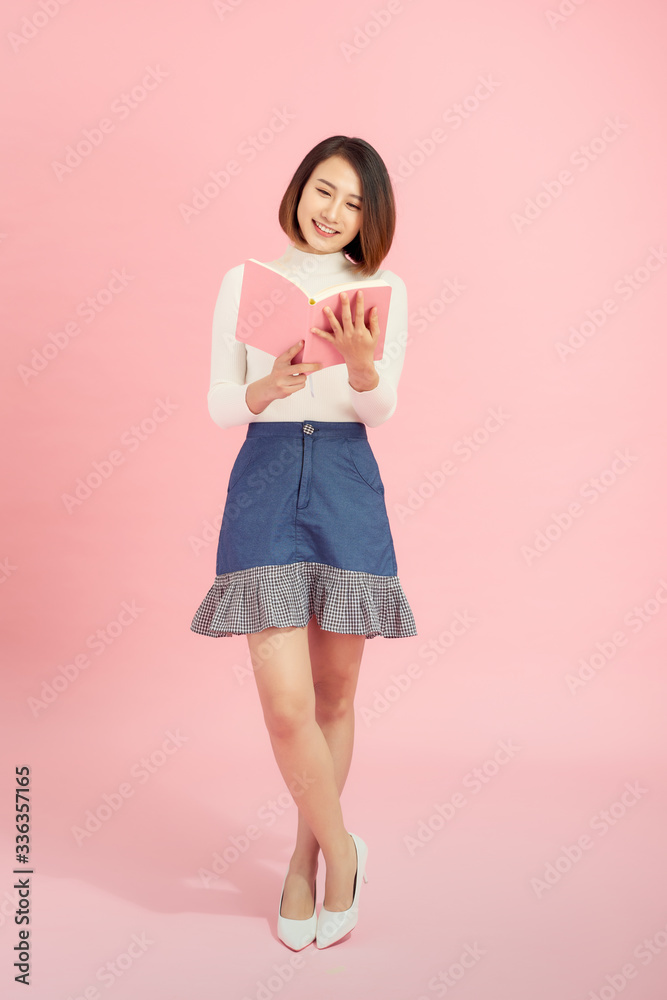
371	244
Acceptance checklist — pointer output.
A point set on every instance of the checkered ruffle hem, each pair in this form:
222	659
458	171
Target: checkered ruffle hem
342	600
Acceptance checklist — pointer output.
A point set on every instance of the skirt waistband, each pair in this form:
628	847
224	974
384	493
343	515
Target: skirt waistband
297	428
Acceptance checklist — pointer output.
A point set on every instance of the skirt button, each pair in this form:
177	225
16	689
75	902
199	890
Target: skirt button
308	428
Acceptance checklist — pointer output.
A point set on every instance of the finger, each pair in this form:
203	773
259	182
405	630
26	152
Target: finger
306	366
331	316
293	380
295	385
359	317
346	312
323	333
291	351
375	322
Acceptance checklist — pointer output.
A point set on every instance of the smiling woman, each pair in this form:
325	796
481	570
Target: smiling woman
319	191
326	189
305	564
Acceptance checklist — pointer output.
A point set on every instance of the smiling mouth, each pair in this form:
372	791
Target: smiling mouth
325	232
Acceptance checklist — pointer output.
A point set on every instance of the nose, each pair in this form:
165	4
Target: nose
332	216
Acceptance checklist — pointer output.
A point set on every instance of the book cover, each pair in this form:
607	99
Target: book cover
274	313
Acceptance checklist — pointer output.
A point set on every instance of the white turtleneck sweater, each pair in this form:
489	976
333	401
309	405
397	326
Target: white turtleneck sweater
327	394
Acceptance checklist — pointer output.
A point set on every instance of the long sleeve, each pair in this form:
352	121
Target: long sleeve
226	395
375	406
328	394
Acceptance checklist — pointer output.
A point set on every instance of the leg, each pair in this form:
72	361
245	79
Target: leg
335	660
282	669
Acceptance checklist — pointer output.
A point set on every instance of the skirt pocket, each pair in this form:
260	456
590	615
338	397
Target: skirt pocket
363	461
242	464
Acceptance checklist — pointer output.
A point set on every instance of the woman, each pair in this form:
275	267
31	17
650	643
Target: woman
305	563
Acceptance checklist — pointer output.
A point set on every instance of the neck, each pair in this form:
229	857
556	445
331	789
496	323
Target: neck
315	263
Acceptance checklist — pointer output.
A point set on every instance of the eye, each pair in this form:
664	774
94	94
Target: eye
350	204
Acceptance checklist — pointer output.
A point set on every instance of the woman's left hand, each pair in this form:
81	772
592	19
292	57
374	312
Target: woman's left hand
353	339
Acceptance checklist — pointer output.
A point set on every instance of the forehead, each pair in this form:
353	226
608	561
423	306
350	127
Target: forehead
338	172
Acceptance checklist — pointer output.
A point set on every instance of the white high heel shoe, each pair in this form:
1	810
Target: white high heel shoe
296	934
332	925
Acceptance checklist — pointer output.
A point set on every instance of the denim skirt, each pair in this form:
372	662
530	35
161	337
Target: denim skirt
305	532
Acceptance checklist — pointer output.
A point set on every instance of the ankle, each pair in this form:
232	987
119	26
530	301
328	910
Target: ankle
304	863
341	853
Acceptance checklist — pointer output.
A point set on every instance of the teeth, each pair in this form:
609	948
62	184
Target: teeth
325	228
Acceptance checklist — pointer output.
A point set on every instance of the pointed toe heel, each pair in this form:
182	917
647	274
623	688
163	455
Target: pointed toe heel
332	925
297	934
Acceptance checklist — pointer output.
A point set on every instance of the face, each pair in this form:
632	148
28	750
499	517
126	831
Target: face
331	196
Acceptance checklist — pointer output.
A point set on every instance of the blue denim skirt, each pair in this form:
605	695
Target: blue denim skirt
305	532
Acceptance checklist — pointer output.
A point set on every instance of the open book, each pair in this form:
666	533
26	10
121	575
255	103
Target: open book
274	313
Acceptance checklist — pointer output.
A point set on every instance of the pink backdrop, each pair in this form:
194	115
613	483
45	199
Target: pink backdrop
510	760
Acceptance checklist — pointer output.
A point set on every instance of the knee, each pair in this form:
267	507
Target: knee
333	706
284	717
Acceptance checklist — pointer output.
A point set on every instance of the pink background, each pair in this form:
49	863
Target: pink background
145	537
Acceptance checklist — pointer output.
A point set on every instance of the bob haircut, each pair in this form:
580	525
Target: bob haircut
371	244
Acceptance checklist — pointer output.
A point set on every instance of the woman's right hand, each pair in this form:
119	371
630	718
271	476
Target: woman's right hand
284	379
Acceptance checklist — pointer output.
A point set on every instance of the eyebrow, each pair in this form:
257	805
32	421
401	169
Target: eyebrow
334	187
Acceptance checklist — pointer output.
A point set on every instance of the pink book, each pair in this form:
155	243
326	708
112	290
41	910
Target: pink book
274	313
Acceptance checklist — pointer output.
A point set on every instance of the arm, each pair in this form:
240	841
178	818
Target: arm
376	404
226	396
229	397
